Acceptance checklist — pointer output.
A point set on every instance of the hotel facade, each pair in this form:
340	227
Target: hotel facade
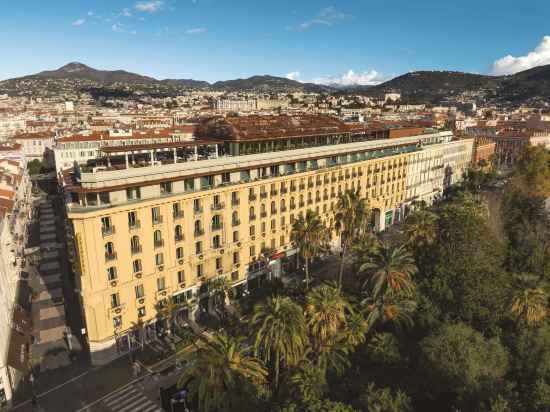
144	235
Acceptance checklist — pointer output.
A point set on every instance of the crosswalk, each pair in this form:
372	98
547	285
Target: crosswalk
130	399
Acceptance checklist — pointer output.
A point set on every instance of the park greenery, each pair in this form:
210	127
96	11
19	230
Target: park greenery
443	312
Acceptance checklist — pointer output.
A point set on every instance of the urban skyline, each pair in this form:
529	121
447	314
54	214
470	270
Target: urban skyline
197	38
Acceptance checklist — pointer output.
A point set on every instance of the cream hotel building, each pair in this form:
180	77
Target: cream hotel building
159	221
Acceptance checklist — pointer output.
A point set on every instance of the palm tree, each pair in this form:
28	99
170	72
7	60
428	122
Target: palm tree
168	309
388	308
351	216
421	229
356	328
220	291
310	235
218	372
334	356
389	270
326	312
529	303
279	332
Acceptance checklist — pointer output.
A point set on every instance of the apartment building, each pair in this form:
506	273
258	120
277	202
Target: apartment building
162	231
37	145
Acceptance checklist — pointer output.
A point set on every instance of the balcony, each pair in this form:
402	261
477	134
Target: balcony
199	232
301	204
217	226
235	222
310	201
318	182
198	210
292	188
284	190
178	238
354	175
263	214
273	193
263	195
302	186
251	217
158	243
274	211
107	230
178	214
292	206
157	220
218	206
136	249
136	224
110	256
235	202
310	185
252	197
333	180
318	199
283	209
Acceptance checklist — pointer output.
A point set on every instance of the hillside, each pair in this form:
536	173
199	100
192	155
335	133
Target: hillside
269	83
80	71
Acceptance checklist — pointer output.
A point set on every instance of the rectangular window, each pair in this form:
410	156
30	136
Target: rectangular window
197	205
199	271
198	248
111	273
282	240
132	220
235	236
155	215
136	265
115	300
181	276
161	284
252	230
159	259
141	312
252	251
179	253
235	258
140	291
165	188
218	263
133	193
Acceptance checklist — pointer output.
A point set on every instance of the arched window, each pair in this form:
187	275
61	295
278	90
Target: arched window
283	206
134	244
292	204
216	220
235	217
262	208
216	242
157	236
251	212
273	207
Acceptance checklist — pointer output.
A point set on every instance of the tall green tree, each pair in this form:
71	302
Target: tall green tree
351	219
420	229
280	334
326	312
220	373
389	270
311	236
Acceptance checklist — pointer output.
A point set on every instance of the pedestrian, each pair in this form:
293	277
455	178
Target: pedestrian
136	369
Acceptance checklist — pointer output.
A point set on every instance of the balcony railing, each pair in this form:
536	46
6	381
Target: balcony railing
283	208
199	232
198	210
178	238
217	226
263	195
301	204
235	222
136	224
252	197
274	211
159	243
157	220
273	193
136	249
251	217
107	230
235	202
178	214
263	214
284	190
110	256
218	206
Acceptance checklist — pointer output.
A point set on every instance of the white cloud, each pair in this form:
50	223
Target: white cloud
149	6
328	16
510	64
351	78
90	13
78	22
197	30
117	27
126	12
293	76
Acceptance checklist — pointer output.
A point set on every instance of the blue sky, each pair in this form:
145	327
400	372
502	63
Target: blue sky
346	41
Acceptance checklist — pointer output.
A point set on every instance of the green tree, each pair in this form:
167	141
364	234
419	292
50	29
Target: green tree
376	399
279	333
529	301
387	308
420	229
460	360
221	373
326	312
34	167
356	328
389	271
351	217
310	235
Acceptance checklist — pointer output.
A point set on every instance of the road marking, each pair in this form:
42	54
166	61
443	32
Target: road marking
86	407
